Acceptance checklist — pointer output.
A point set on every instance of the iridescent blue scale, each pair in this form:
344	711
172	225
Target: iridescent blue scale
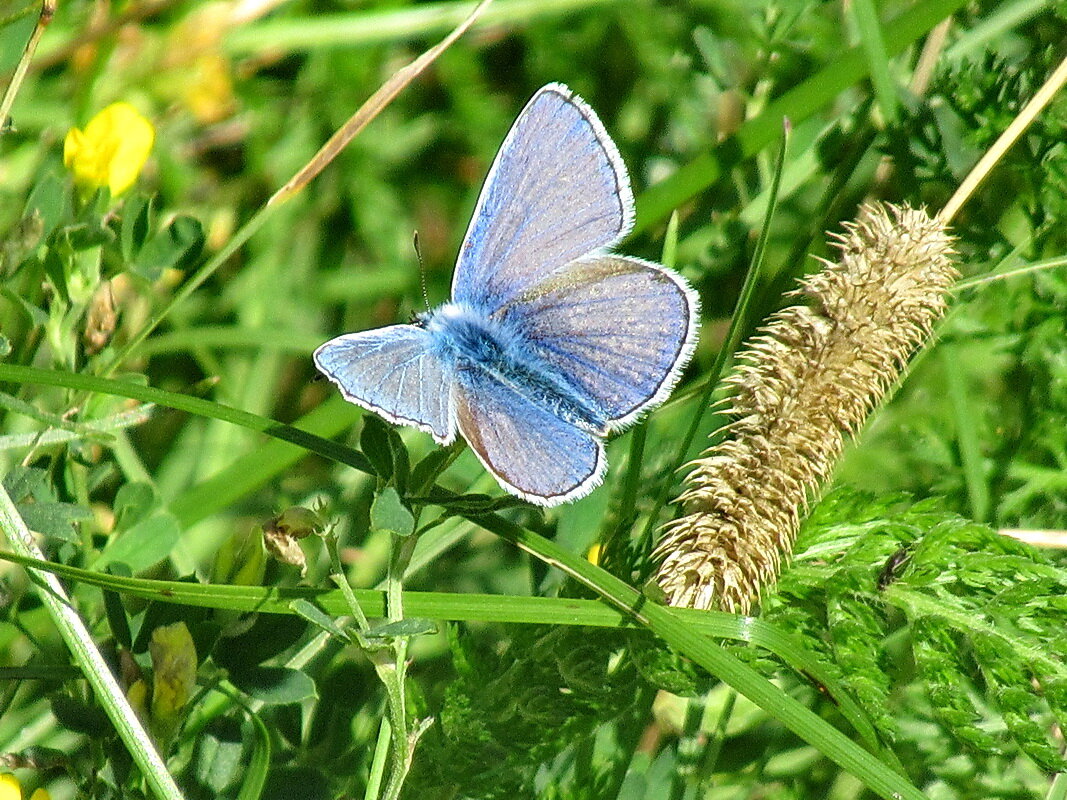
482	347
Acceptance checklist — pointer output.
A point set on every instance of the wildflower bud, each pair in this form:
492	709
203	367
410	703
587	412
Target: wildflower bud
100	319
803	384
282	535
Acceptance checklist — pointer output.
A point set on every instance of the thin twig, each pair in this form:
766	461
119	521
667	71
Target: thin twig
1004	142
932	47
48	10
1056	540
370	109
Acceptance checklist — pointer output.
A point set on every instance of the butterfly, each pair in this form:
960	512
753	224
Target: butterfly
550	342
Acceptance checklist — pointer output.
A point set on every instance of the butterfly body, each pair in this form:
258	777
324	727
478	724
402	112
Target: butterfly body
550	342
483	348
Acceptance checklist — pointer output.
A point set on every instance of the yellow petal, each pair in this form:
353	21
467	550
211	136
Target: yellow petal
40	794
593	555
111	150
10	788
72	146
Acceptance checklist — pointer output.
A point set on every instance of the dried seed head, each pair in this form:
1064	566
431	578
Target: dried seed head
805	382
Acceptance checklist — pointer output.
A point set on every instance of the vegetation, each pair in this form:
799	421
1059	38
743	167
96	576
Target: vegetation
274	594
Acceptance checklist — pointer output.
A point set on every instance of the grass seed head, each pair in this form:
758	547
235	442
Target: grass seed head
804	383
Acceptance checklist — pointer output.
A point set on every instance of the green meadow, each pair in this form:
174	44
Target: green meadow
219	579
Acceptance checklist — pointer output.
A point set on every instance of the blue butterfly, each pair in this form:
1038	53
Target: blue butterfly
550	342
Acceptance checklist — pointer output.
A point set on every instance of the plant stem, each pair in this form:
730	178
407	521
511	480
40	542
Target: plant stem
48	10
88	657
377	767
1004	142
403	744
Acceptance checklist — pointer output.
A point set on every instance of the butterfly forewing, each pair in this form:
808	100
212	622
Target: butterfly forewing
556	191
619	328
394	372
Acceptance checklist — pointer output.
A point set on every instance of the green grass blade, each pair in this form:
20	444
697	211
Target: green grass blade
193	405
870	30
365	28
968	428
255	777
229	337
461	607
89	659
797	104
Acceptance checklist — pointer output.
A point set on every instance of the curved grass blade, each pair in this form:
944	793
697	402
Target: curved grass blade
467	608
798	104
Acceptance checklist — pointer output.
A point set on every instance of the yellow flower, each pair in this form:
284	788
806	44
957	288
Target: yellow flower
111	150
11	789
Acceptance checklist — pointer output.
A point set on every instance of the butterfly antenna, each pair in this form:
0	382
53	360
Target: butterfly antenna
422	271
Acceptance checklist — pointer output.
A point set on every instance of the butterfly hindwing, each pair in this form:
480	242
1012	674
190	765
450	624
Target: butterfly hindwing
394	372
557	191
531	451
619	328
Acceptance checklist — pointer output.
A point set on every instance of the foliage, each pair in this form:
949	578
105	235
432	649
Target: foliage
904	619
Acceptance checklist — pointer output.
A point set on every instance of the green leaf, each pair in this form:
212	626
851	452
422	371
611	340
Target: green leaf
664	668
937	657
136	223
85	235
275	686
219	756
269	636
54	520
316	616
50	199
473	503
133	502
258	764
179	243
146	543
36	501
428	468
404	627
35	315
117	620
55	267
80	716
388	513
401	460
374	442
